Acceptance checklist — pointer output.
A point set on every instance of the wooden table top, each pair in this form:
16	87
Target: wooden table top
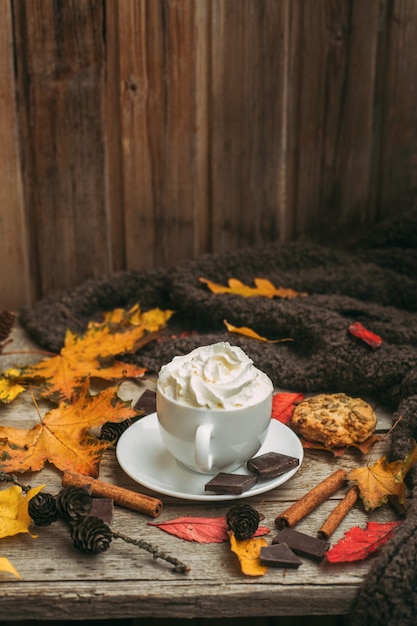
59	582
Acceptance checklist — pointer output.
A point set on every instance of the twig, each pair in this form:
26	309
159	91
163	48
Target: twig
156	552
12	478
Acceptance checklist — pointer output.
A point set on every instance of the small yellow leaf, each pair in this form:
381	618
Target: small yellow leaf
248	552
248	332
14	516
152	320
9	387
263	287
6	566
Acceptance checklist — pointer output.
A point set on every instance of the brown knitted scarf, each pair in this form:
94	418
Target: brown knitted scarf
375	284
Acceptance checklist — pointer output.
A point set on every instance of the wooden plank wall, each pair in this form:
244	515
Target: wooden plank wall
136	133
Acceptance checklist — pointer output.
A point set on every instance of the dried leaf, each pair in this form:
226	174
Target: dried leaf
14	516
248	332
7	567
248	552
381	480
263	287
63	437
120	319
10	388
359	543
358	330
200	529
93	353
283	404
363	447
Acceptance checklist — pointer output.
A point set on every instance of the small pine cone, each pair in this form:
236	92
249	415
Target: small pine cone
111	431
42	509
6	324
73	503
91	535
243	520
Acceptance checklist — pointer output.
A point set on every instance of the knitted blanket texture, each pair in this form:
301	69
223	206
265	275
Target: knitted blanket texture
374	283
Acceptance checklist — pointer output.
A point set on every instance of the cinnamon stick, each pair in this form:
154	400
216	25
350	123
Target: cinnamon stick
123	497
338	514
311	500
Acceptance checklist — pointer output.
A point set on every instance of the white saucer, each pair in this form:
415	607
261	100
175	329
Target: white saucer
143	456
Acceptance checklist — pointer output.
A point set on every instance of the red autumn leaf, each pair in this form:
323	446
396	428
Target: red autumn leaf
283	404
357	330
358	543
200	529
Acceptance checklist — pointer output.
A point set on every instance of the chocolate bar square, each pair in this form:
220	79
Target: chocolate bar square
279	555
233	484
147	402
272	464
103	509
302	544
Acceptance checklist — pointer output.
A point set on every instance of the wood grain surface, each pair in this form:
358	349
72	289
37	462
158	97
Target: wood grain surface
139	133
60	583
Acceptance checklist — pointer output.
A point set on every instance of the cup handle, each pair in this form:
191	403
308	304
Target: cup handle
202	458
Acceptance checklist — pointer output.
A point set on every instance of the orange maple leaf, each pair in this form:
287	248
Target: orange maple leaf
248	332
263	287
63	437
93	353
381	480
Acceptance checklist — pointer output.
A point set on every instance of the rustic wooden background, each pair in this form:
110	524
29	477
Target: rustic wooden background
135	133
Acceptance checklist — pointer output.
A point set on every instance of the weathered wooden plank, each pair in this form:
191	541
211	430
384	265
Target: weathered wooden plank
395	183
163	129
60	57
247	122
14	273
125	582
331	105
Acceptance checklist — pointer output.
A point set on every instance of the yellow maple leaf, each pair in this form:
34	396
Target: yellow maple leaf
93	353
119	318
382	480
263	287
7	567
63	438
248	332
14	516
248	552
9	387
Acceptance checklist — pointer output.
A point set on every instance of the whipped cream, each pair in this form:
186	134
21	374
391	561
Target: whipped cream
215	376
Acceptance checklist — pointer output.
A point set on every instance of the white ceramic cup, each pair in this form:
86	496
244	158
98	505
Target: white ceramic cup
210	440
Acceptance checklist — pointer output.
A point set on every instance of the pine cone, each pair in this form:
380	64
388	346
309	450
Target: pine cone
6	324
73	503
243	520
42	509
91	535
111	431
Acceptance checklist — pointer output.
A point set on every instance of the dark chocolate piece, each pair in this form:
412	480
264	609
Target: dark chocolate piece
234	484
272	464
146	402
103	509
279	555
302	544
